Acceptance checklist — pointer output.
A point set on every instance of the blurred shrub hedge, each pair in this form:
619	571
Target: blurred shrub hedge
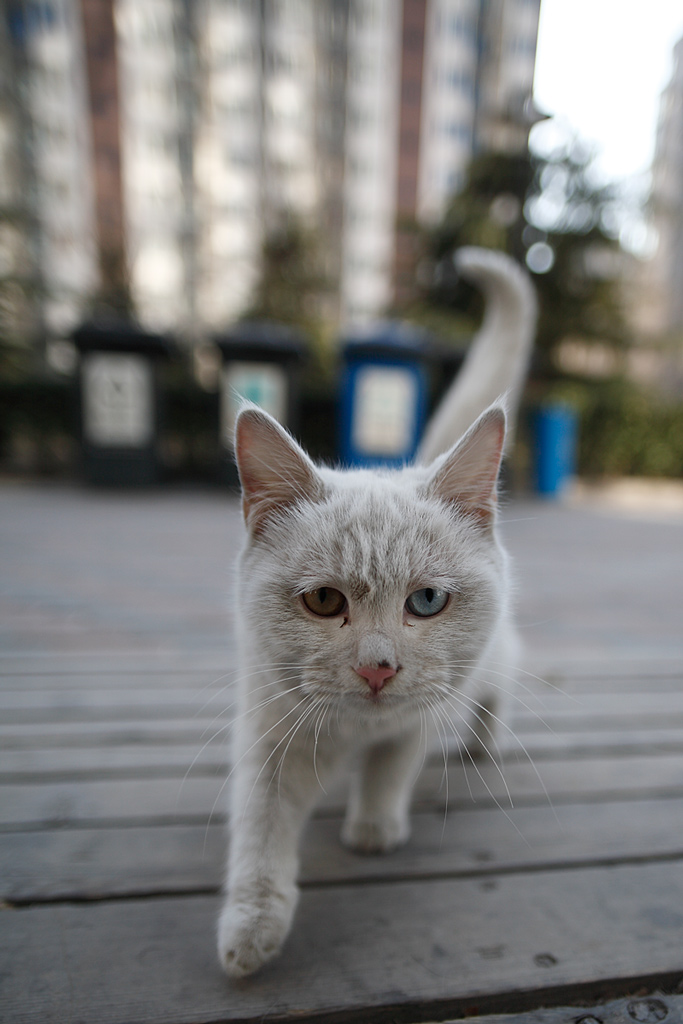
625	430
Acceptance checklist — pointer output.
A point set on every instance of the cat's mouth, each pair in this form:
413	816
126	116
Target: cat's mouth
382	698
375	698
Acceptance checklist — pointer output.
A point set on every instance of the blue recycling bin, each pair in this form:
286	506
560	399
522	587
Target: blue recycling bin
555	437
384	394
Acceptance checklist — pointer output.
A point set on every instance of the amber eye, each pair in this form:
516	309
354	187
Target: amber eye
324	601
426	602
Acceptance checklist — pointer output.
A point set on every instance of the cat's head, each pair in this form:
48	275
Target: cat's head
370	588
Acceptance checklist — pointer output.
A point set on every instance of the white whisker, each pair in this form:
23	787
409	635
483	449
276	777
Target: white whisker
482	707
316	736
258	740
495	761
492	795
305	716
435	712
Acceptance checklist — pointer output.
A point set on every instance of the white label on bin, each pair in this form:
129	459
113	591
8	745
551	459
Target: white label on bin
264	384
118	409
385	405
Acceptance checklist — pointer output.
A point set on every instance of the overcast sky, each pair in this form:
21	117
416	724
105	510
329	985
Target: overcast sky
601	66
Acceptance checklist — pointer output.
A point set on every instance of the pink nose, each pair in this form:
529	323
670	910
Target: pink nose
376	677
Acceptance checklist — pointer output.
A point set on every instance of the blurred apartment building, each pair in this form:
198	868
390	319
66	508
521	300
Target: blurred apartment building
211	121
47	237
667	203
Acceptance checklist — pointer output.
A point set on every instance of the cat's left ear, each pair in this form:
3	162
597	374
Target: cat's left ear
467	475
275	472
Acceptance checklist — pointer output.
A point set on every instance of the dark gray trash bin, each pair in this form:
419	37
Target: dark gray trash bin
119	402
261	361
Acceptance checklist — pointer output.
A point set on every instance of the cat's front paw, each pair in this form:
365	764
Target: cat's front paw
252	933
375	835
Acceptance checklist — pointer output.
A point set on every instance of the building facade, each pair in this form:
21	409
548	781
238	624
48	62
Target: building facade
47	229
353	117
667	202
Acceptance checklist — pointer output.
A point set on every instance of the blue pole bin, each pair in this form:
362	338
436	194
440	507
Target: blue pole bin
384	394
555	437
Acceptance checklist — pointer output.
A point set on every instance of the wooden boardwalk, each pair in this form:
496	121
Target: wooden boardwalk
551	892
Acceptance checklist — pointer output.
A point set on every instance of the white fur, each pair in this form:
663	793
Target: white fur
377	537
497	360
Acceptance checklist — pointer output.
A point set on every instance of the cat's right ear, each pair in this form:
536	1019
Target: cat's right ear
275	472
467	475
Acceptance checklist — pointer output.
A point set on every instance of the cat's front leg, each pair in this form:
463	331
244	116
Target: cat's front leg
378	815
269	808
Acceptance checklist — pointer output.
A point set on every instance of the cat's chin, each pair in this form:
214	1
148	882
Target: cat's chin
383	700
377	705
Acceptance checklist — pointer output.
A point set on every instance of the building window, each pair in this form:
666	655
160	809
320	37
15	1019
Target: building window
461	80
459	131
522	46
463	27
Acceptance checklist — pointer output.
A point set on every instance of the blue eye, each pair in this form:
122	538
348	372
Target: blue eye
426	602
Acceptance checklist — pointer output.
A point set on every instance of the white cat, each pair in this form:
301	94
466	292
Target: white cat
370	603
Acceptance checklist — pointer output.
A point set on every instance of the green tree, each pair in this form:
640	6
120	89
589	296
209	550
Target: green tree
291	285
547	211
293	289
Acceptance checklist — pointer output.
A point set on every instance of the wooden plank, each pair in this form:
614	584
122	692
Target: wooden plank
159	682
531	712
617	720
152	688
564	705
180	726
56	734
54	713
112	669
93	863
64	751
156	680
49	711
159	800
121	701
133	760
355	950
618	743
93	664
649	1009
195	799
579	688
611	665
161	755
113	761
647	694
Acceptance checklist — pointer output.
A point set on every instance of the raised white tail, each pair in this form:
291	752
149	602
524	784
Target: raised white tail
497	361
